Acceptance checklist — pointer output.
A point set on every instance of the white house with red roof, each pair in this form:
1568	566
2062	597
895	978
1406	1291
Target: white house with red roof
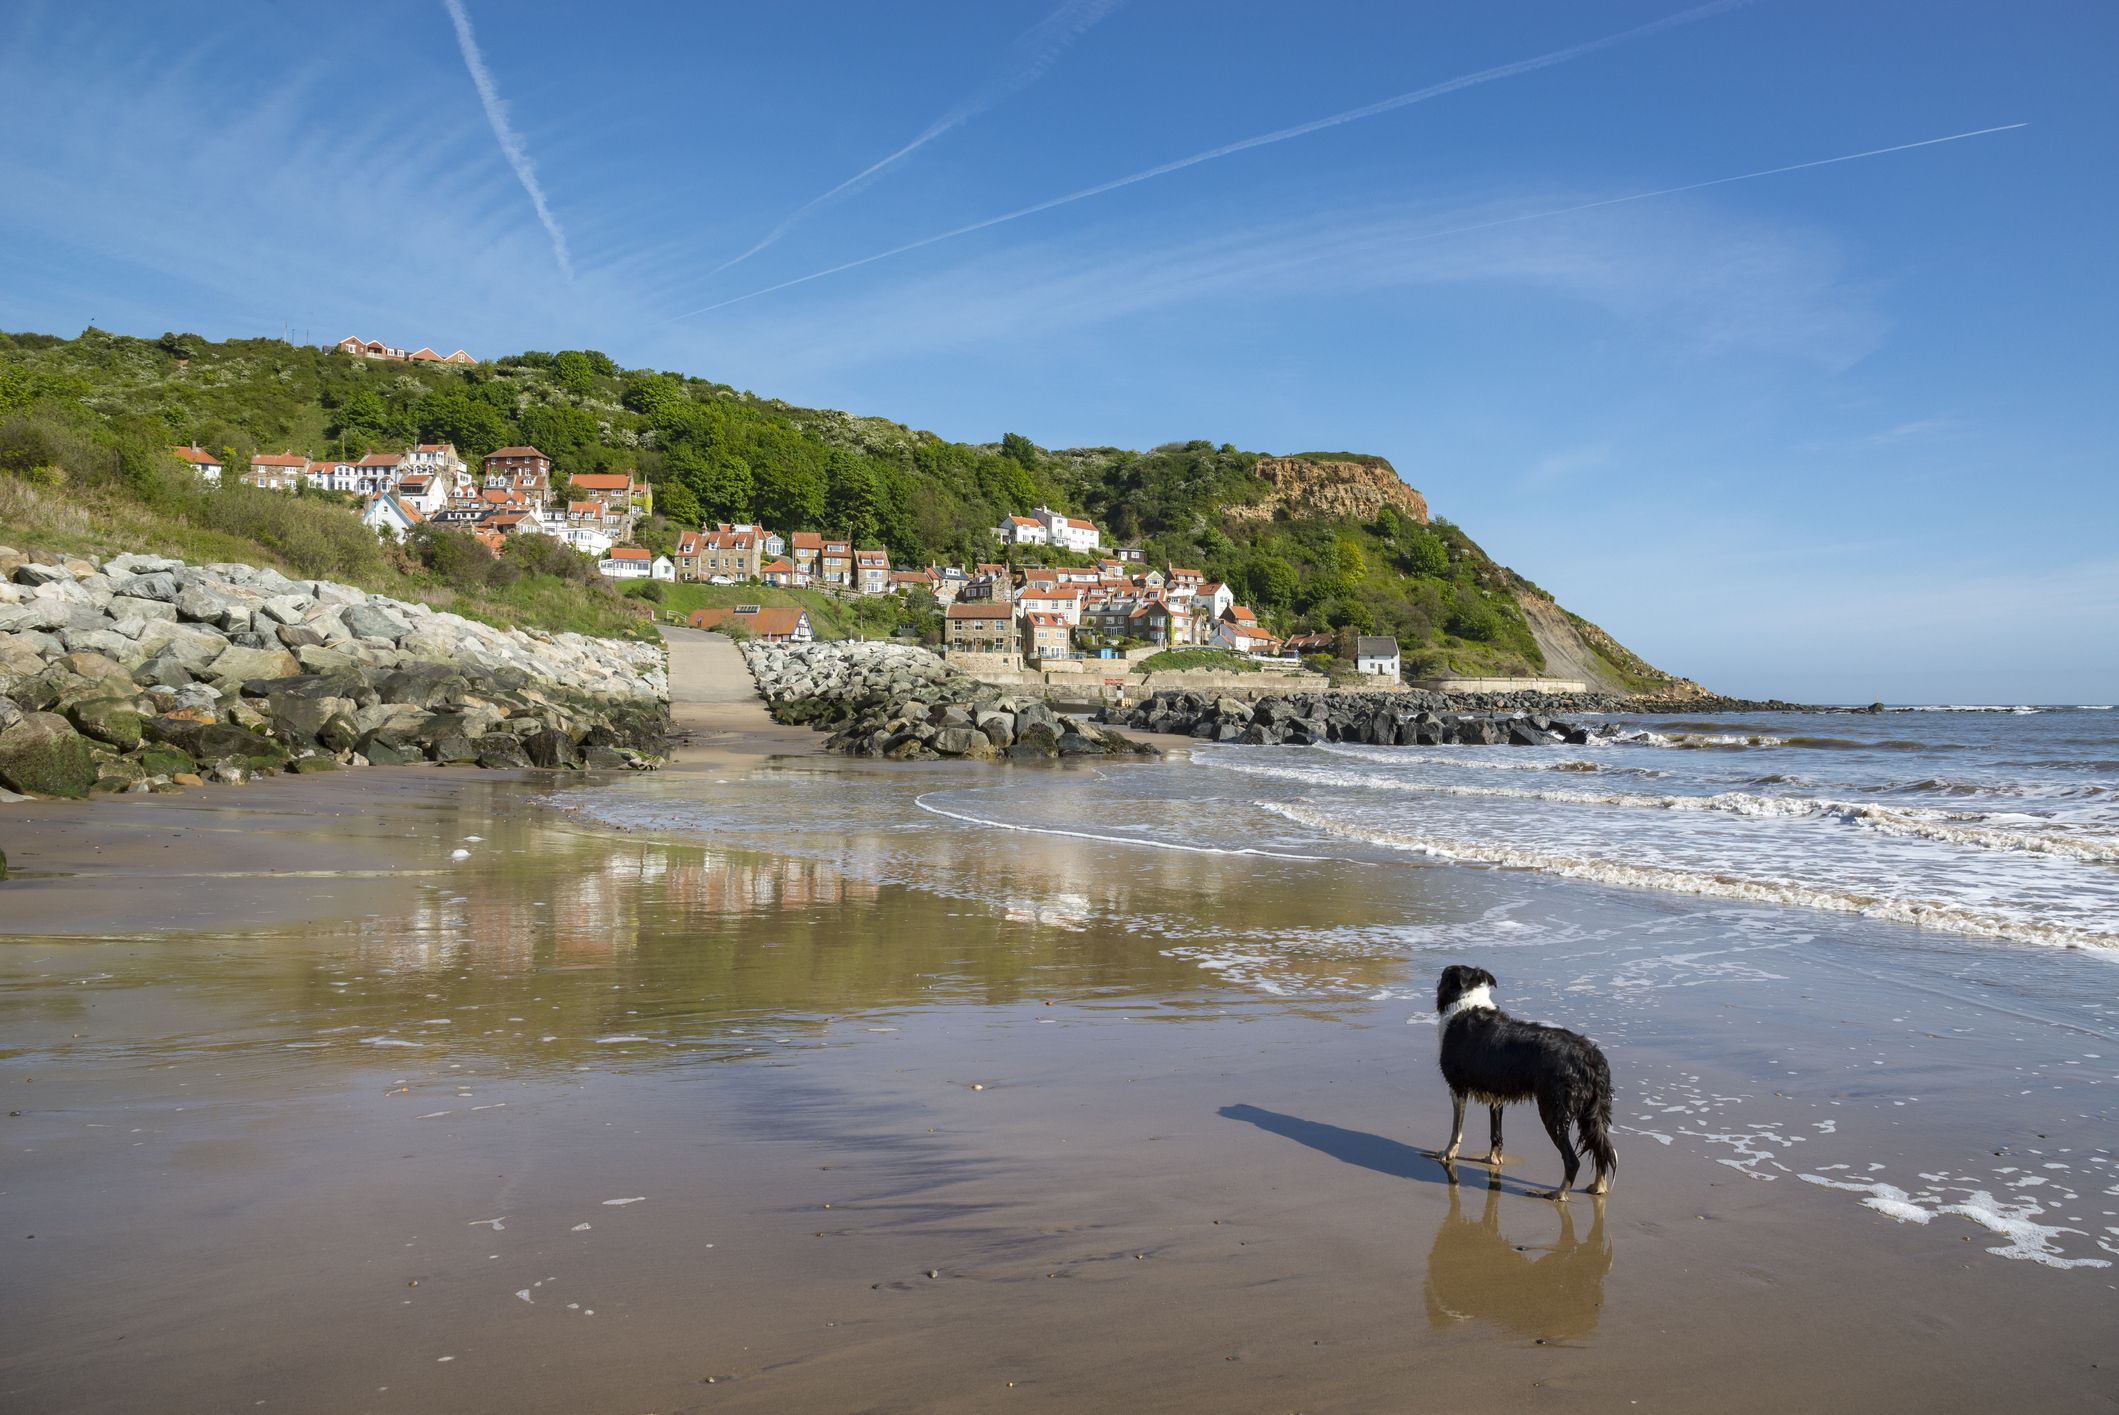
1022	530
424	492
629	562
200	461
1068	532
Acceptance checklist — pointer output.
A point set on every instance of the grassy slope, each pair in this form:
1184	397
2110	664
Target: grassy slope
1450	606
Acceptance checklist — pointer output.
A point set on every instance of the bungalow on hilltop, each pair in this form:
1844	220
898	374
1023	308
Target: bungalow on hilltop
775	624
377	349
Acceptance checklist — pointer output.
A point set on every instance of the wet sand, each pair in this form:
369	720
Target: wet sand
603	1120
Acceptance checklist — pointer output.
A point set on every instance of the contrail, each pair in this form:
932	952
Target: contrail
510	141
1450	231
1036	50
1715	182
1278	135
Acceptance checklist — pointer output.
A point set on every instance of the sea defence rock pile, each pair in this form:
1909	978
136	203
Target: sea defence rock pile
1377	719
143	673
1556	703
888	700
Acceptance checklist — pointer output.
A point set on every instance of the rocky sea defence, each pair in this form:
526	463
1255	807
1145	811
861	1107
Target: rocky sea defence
889	700
141	673
1374	719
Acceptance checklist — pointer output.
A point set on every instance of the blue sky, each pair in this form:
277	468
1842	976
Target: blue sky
1831	433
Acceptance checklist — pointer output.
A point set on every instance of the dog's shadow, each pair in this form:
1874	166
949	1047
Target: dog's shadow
1355	1147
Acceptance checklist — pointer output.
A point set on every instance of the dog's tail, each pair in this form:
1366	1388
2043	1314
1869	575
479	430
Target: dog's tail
1594	1121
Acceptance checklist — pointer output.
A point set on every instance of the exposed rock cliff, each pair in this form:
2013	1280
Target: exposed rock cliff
1575	648
1330	487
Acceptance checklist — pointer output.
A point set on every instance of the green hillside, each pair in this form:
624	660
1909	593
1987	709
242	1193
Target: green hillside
86	424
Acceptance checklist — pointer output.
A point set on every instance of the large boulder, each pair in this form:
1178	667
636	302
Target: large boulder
42	755
236	664
372	621
113	721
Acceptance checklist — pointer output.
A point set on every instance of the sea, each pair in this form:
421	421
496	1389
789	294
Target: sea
1870	955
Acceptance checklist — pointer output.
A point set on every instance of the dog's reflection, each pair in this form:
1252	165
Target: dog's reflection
1554	1291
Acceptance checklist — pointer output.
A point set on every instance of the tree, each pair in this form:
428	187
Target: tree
575	370
1270	580
1471	617
788	494
454	416
851	496
1019	450
720	481
1425	554
675	500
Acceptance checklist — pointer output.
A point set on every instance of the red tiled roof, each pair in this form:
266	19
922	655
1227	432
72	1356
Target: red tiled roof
773	621
980	611
196	457
1040	620
778	567
604	481
630	552
514	452
807	540
278	459
377	459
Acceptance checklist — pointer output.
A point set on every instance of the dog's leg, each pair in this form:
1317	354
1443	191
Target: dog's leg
1456	1128
1493	1156
1555	1120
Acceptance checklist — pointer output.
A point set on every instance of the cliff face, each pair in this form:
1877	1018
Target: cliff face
1329	488
1575	648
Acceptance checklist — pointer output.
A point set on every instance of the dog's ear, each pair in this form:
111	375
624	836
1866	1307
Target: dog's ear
1451	985
1481	978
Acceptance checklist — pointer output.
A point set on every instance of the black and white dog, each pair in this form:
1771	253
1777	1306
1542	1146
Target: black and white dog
1496	1060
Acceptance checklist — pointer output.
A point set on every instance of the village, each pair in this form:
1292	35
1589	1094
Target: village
1101	604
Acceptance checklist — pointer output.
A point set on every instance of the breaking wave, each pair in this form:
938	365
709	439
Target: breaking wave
1945	827
1925	913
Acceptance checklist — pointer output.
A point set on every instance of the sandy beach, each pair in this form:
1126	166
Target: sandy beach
815	1110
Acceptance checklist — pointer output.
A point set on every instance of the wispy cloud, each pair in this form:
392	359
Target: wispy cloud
511	144
1026	61
1697	281
1918	430
1279	135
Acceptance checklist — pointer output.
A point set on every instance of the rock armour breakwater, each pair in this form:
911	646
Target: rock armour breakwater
888	700
143	673
1375	719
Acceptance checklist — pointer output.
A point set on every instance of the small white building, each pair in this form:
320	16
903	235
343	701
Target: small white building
204	463
628	562
586	539
663	568
386	513
1378	654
